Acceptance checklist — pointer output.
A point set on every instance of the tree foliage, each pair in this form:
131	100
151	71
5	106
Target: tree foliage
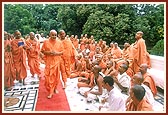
99	25
110	22
158	49
18	18
67	17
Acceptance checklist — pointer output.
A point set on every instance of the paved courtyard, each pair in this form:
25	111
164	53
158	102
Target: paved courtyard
24	97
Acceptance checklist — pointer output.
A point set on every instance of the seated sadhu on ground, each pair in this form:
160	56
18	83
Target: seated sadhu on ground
148	80
125	51
110	70
137	101
110	48
83	41
109	57
97	52
116	53
102	64
97	90
129	71
122	81
87	80
138	79
92	47
77	67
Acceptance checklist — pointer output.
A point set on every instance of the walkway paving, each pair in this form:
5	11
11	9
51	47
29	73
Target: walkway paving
22	98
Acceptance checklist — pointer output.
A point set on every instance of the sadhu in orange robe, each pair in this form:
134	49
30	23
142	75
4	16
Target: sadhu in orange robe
68	58
151	83
33	56
52	64
9	69
19	58
75	43
140	54
116	53
143	105
77	69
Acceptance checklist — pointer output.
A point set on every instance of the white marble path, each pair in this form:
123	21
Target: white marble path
27	96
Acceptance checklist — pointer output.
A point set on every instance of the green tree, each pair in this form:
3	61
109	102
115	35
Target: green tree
67	16
101	25
151	16
158	49
50	20
37	11
17	18
122	27
83	12
110	22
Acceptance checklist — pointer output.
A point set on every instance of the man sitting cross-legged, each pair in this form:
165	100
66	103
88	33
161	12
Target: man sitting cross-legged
138	79
137	101
115	100
88	79
96	90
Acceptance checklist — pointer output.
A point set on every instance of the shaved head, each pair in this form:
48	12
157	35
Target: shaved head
140	32
143	68
53	34
98	68
32	35
53	31
137	79
144	65
62	34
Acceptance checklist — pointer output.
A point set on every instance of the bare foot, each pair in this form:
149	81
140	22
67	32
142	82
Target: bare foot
64	86
39	77
24	82
49	96
20	81
56	91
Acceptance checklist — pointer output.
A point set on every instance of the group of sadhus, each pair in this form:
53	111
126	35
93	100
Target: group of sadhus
123	73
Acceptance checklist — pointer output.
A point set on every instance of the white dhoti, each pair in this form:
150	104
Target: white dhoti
82	90
90	96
